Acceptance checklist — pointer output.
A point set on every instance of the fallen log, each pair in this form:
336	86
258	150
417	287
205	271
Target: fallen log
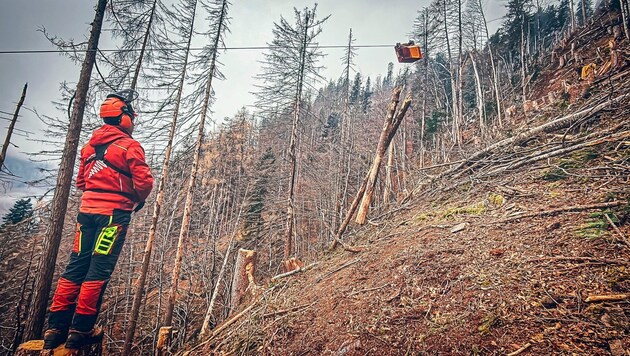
295	271
580	259
563	210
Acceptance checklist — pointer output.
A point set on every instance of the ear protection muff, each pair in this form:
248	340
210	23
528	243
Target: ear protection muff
116	111
127	116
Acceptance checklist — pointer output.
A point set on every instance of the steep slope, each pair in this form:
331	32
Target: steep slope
501	253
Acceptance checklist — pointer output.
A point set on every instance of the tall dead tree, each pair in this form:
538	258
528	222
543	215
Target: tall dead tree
288	244
46	267
288	70
221	25
157	207
16	114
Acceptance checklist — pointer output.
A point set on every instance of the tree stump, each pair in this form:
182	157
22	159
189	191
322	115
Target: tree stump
243	280
164	340
35	347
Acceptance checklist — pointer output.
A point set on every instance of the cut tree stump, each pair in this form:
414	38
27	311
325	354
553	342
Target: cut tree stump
243	280
164	340
36	347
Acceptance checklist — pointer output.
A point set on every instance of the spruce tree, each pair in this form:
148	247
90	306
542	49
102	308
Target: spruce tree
22	209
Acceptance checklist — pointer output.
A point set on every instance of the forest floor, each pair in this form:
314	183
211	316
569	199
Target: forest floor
508	265
491	288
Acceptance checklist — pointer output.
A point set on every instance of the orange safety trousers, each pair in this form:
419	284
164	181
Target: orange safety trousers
79	294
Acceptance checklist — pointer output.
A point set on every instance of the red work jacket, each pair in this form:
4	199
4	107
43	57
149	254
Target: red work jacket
119	179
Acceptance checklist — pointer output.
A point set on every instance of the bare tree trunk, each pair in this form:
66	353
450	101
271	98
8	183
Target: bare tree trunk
288	245
157	207
495	76
524	80
460	76
59	204
480	99
572	16
426	84
215	293
183	233
145	40
7	140
455	124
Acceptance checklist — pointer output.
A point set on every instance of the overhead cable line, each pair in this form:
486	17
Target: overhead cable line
37	51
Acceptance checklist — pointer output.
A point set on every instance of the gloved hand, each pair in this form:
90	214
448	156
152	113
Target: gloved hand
138	207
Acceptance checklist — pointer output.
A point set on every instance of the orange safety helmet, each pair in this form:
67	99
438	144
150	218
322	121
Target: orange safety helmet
117	110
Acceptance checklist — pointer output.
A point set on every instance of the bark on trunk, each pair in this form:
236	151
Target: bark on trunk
59	203
387	191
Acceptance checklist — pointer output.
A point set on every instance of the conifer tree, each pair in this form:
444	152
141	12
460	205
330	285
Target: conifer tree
182	18
290	69
22	209
218	19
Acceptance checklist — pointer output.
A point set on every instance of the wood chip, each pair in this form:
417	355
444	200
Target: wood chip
458	227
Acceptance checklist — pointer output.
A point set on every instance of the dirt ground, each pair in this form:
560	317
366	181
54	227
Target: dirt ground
492	288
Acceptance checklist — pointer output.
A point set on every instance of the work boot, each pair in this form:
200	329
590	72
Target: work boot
77	339
54	338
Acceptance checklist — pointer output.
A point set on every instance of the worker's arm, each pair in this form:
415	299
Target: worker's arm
140	172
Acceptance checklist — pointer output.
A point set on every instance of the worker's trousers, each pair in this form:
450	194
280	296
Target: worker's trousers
97	244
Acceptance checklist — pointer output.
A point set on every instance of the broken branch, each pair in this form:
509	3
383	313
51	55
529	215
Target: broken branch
607	298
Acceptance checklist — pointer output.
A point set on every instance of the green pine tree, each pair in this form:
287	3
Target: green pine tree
22	209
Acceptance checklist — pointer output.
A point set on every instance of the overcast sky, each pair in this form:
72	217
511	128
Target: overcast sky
373	22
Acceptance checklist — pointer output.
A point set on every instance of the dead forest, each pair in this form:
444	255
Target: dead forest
475	202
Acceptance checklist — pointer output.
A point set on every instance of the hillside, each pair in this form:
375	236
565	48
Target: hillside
485	184
505	251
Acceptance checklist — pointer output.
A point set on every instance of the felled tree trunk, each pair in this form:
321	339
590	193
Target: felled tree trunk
243	280
389	130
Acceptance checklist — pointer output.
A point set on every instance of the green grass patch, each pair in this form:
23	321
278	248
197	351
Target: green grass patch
496	199
596	225
574	161
475	209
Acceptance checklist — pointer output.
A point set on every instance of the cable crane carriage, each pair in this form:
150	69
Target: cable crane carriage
408	52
